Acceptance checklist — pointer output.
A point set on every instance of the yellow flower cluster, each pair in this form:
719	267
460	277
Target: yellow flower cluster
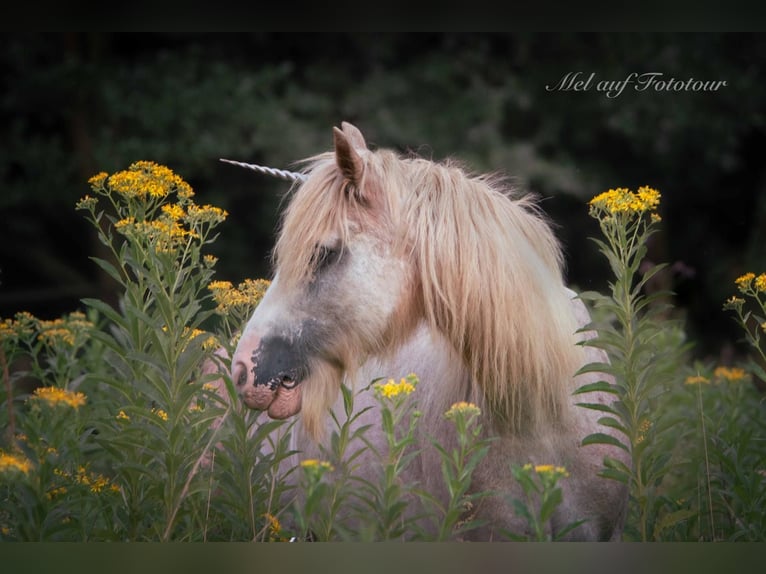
198	214
95	482
123	416
246	295
210	342
696	380
173	211
64	330
313	463
142	195
462	409
731	374
750	283
161	413
55	396
622	200
548	470
391	388
56	492
23	324
67	330
14	463
164	233
143	179
643	428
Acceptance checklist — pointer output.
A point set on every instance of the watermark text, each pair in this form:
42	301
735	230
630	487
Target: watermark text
644	82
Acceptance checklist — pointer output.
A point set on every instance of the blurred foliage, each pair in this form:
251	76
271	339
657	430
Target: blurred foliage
77	104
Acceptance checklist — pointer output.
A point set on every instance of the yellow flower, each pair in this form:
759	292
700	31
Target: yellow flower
160	413
643	428
64	330
275	528
731	374
122	416
173	211
95	482
760	283
695	380
97	181
146	179
205	214
462	408
86	202
248	294
53	336
56	492
551	469
13	463
622	200
124	223
55	396
744	281
313	463
392	389
648	198
220	285
210	343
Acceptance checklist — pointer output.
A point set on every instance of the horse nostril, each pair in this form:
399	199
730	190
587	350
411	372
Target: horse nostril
287	381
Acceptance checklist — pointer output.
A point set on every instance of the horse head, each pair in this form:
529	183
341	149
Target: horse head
340	292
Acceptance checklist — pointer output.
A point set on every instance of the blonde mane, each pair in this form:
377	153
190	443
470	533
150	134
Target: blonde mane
488	269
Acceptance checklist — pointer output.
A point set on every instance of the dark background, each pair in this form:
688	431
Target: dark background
75	104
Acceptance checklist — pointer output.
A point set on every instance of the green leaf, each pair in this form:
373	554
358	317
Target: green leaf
616	464
602	438
549	505
614	474
598	386
110	269
598	407
613	423
105	310
568	528
757	370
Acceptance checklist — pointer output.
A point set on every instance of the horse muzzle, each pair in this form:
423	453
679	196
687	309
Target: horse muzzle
268	375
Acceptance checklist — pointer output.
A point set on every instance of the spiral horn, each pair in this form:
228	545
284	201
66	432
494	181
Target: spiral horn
280	173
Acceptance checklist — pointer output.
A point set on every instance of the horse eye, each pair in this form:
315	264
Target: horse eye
325	256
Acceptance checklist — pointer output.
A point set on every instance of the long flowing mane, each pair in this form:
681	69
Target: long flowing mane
488	271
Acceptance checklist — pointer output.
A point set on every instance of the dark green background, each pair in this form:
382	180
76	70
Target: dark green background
78	103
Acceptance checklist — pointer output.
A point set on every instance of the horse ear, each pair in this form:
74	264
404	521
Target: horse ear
347	157
354	135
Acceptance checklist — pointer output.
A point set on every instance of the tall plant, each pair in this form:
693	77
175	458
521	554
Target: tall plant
640	358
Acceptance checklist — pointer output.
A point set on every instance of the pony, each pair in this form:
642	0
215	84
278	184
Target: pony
387	264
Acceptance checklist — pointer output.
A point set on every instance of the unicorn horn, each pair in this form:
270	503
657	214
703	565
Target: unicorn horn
282	173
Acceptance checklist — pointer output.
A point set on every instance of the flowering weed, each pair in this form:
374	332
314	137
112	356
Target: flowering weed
126	426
